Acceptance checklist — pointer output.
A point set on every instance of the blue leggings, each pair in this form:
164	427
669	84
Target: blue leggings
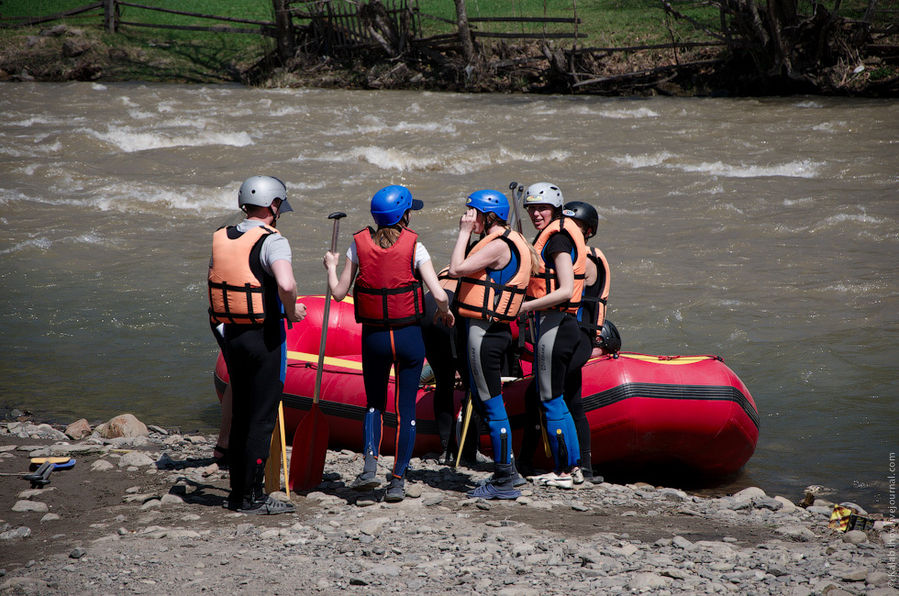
404	349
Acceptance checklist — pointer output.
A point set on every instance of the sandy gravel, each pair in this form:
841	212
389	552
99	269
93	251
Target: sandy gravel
144	516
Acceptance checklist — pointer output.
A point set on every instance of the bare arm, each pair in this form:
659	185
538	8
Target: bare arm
339	286
495	255
591	273
565	277
287	290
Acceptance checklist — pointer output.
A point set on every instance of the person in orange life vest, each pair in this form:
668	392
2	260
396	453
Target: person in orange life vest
389	303
590	317
251	285
493	279
597	280
554	294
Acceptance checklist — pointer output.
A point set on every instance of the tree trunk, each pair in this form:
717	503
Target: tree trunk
781	14
284	24
464	30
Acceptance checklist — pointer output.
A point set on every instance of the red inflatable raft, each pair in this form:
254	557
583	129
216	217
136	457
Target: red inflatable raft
642	409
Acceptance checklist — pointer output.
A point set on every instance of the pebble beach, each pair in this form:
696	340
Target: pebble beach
142	513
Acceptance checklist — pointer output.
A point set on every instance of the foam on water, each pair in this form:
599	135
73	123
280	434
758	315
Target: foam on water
843	218
376	125
41	244
795	202
646	160
859	289
794	169
28	122
625	114
129	140
837	126
462	163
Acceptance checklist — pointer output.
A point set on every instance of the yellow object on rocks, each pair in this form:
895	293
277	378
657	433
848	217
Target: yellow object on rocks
846	518
839	519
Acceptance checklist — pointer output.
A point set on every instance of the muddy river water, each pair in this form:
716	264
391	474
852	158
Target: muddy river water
761	230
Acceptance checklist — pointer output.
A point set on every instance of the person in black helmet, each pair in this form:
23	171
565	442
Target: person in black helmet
251	286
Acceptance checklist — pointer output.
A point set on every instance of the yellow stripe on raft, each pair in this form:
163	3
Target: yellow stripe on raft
329	360
348	299
667	359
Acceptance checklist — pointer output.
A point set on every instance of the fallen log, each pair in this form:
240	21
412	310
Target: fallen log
647	72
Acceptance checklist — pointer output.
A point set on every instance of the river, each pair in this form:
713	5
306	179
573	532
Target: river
761	230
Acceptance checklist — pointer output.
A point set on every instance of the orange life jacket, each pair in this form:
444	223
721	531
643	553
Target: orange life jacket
479	297
387	291
544	281
449	284
592	313
237	290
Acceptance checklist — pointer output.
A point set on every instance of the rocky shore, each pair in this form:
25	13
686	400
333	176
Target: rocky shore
141	513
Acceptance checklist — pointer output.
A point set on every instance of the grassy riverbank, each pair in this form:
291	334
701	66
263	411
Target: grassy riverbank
78	48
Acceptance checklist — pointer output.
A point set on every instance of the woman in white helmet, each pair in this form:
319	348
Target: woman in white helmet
554	295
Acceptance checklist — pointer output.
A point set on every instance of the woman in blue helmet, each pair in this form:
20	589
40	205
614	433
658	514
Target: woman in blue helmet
388	266
493	279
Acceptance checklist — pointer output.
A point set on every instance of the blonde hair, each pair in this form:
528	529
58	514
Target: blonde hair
386	236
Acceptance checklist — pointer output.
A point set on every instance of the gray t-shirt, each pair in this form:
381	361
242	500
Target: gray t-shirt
275	247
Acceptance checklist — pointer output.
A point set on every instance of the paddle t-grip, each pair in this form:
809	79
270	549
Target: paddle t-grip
336	216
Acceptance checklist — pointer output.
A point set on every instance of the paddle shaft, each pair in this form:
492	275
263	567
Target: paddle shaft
321	344
517	193
466	419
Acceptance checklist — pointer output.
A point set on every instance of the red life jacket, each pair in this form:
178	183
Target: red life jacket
544	281
236	282
479	297
387	291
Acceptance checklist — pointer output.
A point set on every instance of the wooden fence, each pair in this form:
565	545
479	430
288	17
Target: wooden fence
334	26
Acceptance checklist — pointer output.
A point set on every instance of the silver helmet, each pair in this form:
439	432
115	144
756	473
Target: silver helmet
262	191
543	193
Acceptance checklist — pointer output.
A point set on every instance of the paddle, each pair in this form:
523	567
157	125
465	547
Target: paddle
310	440
517	193
277	457
466	419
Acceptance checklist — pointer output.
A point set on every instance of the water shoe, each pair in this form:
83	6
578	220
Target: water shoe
491	490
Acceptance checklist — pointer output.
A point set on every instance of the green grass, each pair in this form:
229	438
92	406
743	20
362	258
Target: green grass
171	54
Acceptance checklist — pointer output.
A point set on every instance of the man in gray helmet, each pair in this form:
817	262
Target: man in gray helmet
251	287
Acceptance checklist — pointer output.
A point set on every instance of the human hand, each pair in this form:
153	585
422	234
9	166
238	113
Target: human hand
330	260
446	318
468	220
300	312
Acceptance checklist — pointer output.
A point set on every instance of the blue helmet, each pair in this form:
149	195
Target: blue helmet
390	203
489	201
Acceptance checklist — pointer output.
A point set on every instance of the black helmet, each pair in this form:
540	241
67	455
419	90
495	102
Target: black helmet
583	212
610	339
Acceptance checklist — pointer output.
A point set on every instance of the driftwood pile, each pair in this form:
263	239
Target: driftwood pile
753	50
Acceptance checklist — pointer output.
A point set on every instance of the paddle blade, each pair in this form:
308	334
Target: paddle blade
310	445
273	464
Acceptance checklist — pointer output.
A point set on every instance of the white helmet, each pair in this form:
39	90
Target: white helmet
543	193
262	191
